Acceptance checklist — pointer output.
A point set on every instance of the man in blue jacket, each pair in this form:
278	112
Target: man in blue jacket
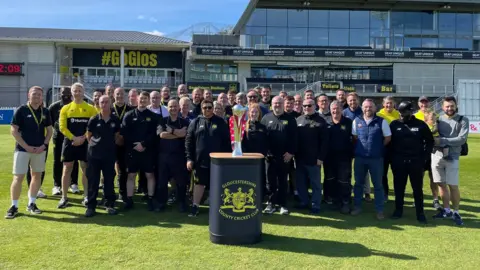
371	134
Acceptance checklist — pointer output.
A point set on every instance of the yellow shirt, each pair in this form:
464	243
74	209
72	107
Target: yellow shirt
394	115
420	115
434	130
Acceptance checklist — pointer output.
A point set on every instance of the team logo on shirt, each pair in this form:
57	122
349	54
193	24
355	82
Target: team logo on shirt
214	126
343	127
260	130
29	116
285	122
148	119
359	125
414	129
112	125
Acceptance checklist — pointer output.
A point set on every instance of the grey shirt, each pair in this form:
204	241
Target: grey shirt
453	133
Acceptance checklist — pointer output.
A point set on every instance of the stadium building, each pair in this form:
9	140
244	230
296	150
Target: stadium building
52	58
374	47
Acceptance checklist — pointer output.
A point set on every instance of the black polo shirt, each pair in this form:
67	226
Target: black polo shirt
32	133
172	146
102	143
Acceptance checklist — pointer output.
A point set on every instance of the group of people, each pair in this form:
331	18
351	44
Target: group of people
166	140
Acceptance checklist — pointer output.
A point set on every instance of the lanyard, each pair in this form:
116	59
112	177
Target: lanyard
123	111
35	116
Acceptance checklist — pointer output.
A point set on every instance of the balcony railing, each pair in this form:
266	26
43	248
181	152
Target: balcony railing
141	82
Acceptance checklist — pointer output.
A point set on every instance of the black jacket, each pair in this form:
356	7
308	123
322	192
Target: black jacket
281	134
205	136
197	109
312	139
140	126
326	116
54	111
255	140
411	139
340	146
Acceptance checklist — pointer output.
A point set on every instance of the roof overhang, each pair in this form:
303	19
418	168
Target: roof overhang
453	5
96	44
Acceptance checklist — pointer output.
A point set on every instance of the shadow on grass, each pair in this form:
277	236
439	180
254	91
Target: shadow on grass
322	247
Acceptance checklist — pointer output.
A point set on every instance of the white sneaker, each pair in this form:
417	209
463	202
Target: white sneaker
56	191
74	189
40	194
284	211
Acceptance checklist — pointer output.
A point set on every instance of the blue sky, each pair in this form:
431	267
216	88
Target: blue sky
160	16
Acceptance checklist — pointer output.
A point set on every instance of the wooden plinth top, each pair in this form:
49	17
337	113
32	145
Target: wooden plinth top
229	155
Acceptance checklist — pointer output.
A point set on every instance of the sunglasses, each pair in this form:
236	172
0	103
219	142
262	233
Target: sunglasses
207	107
307	106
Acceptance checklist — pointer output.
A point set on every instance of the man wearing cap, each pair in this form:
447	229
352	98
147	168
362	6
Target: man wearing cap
423	105
411	144
388	113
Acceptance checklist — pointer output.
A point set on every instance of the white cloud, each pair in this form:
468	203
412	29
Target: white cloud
156	33
140	17
152	19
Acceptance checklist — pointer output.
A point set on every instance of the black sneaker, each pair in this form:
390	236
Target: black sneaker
182	208
397	214
195	211
422	219
33	209
90	212
345	209
128	204
111	211
315	211
12	212
63	203
150	205
443	214
172	199
457	219
160	207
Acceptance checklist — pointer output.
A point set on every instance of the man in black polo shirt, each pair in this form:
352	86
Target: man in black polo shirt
32	129
58	138
119	109
139	127
102	131
171	158
338	164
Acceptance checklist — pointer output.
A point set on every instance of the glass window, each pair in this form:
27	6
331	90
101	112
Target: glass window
397	21
255	30
413	22
132	72
101	72
317	37
141	72
297	18
380	43
215	68
91	72
197	67
297	36
413	43
359	37
429	24
231	69
111	72
276	17
318	18
276	35
429	43
379	20
448	43
151	72
338	37
446	22
339	19
359	19
464	23
258	18
464	44
251	41
476	23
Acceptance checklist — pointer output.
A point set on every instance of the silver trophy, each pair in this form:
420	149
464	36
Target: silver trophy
237	127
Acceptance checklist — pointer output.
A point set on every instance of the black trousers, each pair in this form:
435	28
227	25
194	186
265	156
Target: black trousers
402	170
29	175
291	176
95	168
338	179
58	164
122	175
387	161
171	166
277	183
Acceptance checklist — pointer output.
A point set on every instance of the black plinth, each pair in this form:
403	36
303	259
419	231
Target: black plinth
235	198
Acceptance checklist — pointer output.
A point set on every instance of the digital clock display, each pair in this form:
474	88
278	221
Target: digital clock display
11	69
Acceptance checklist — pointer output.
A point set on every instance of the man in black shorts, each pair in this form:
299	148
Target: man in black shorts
206	134
139	133
73	124
102	132
171	158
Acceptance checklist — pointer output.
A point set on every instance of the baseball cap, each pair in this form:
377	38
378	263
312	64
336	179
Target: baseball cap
422	98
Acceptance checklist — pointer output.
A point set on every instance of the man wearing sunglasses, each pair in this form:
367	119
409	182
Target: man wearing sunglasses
252	97
206	134
311	152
